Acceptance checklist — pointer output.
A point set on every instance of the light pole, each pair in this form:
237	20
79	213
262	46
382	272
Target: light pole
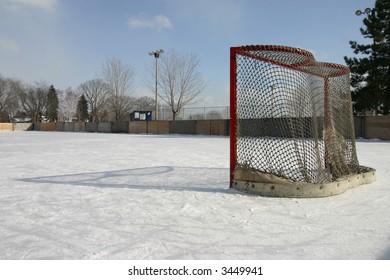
156	54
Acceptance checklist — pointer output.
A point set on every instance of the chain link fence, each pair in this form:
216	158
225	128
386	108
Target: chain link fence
196	113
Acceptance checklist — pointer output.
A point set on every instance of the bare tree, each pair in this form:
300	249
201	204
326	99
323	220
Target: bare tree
119	79
214	115
33	100
144	103
5	92
179	80
13	106
68	104
9	104
96	92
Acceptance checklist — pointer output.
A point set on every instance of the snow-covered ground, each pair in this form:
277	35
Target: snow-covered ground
122	196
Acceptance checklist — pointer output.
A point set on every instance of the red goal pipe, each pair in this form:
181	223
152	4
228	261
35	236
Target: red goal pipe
233	112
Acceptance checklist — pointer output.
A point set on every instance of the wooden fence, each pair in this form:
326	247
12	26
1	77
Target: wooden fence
365	126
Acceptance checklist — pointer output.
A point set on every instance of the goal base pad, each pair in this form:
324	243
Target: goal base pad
306	190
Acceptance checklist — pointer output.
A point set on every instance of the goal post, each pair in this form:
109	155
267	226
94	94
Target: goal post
291	124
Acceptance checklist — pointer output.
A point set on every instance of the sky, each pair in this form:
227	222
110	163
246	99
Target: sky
66	42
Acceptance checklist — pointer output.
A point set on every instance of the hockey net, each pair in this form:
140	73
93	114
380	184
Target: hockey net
291	117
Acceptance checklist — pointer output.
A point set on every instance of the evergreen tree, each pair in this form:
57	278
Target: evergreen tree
370	73
82	109
52	104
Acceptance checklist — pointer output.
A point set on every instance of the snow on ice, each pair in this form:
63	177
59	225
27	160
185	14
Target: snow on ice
123	196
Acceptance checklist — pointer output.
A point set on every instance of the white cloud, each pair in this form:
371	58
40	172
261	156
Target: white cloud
158	22
221	16
7	45
48	5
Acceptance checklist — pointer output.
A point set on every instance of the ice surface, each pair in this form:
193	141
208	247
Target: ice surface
122	196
